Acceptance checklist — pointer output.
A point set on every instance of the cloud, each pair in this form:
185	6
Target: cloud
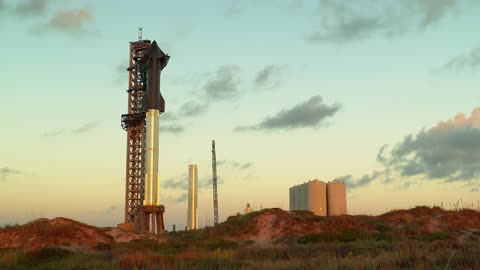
181	182
173	128
121	73
168	116
353	183
344	21
176	183
240	165
449	151
236	8
462	62
73	21
85	128
182	198
6	172
269	75
193	108
305	114
110	210
53	133
30	8
235	164
224	85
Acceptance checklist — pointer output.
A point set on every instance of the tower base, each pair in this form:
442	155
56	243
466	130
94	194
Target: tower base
152	215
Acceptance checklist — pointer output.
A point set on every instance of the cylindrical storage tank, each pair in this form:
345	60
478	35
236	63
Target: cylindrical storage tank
297	197
336	198
192	215
291	198
304	197
317	197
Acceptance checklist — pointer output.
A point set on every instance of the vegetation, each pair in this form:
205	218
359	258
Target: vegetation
360	254
420	238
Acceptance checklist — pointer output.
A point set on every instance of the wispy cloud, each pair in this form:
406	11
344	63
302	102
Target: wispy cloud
269	75
30	8
53	133
121	74
6	172
177	199
114	208
236	8
344	21
470	60
181	182
224	85
193	108
173	128
307	114
86	127
449	151
235	164
72	21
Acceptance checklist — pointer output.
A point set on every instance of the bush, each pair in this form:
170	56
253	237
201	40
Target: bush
346	235
429	237
221	244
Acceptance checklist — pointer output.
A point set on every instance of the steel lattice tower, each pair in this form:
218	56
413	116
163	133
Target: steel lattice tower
214	181
134	124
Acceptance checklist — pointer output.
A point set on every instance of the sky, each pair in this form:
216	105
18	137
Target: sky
381	94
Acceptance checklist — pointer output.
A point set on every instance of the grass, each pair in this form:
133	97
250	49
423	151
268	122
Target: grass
364	243
433	253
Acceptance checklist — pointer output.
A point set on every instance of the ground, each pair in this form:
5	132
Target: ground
418	238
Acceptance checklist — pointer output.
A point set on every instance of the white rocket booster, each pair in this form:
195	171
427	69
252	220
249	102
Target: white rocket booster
152	179
154	105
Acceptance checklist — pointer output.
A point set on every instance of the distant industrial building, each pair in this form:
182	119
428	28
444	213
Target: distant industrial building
192	214
248	209
319	197
309	196
336	198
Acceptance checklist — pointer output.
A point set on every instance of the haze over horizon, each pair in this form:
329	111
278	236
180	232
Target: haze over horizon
380	94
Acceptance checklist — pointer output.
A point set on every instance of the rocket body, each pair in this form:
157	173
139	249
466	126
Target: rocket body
152	181
154	104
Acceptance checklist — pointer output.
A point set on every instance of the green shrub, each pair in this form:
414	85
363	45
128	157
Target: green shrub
346	235
429	237
221	244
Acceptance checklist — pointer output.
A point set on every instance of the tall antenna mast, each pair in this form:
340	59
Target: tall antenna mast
140	30
214	181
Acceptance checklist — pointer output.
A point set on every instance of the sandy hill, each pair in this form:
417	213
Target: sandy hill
266	227
63	232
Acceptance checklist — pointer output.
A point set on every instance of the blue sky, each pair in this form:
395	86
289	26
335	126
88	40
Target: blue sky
290	90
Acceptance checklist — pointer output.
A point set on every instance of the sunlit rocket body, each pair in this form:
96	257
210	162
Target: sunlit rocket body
154	104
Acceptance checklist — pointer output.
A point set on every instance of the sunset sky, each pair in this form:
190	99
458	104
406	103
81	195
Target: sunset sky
382	94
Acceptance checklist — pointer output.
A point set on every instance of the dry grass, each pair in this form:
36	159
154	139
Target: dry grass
419	238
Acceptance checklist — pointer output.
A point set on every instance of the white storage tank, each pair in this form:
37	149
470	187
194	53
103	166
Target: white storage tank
336	198
309	196
317	197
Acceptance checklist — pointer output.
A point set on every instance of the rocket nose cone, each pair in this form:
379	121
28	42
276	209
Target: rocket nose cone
155	49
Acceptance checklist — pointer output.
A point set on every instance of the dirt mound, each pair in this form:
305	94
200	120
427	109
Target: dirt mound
436	219
64	232
273	226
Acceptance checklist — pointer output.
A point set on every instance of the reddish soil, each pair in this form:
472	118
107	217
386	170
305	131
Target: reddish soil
267	227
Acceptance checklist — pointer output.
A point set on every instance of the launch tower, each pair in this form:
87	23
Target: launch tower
143	211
